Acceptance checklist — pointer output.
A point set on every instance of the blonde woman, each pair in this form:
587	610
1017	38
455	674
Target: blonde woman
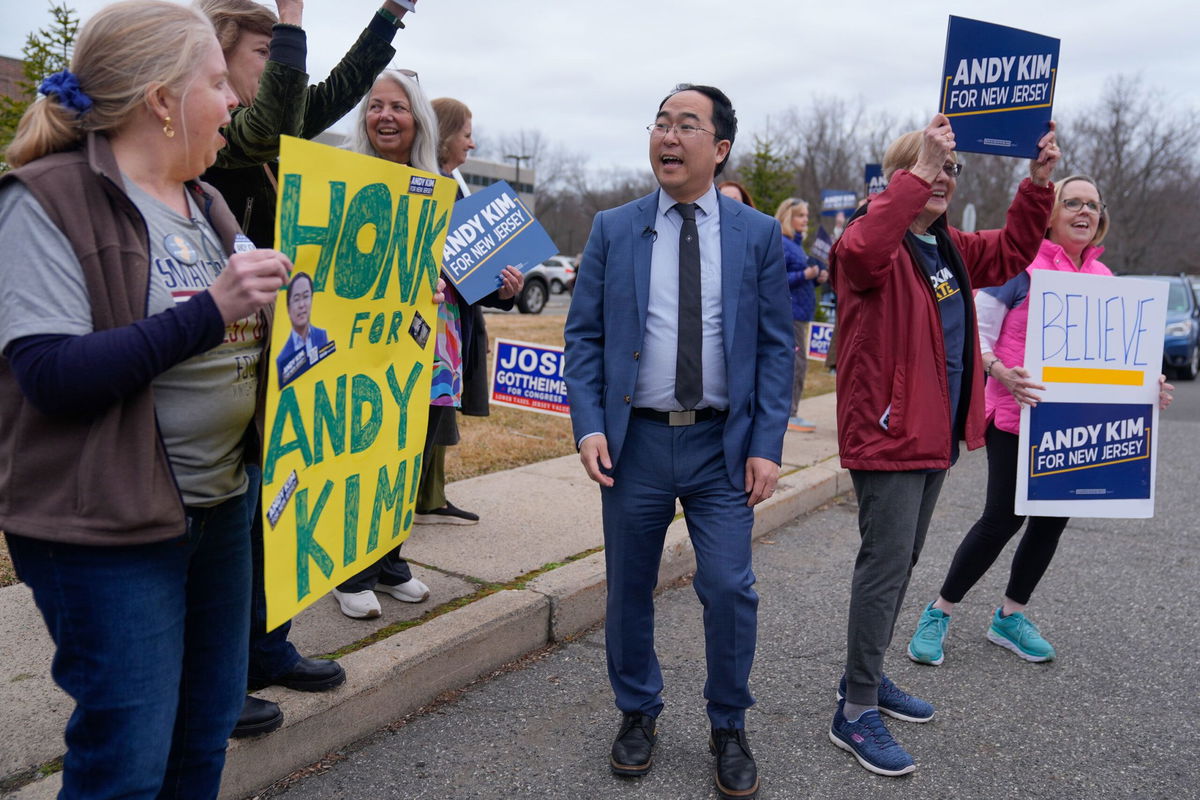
120	284
803	278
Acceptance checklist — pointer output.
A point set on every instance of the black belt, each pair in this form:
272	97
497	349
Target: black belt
676	418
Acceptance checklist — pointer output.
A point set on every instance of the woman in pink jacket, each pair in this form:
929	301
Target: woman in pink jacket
1077	225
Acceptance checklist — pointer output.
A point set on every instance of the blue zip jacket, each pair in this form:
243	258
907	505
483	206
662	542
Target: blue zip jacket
803	290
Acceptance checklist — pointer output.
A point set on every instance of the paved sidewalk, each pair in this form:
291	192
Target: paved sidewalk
536	519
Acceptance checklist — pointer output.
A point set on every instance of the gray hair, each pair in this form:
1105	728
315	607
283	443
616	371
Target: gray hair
424	146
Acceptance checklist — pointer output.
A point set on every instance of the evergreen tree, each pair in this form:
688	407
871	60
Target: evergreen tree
46	51
767	176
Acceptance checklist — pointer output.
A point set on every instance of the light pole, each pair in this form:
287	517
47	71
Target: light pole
517	159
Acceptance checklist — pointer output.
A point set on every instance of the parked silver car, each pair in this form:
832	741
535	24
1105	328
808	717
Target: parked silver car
552	275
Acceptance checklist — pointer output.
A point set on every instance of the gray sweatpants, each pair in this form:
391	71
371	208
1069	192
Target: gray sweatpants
894	509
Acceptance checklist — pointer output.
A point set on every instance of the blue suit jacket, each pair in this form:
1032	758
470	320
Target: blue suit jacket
289	371
607	319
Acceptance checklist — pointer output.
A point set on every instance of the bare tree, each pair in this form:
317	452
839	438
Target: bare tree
554	165
989	183
559	173
1145	155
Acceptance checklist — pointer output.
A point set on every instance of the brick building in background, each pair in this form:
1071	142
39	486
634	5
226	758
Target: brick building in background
11	76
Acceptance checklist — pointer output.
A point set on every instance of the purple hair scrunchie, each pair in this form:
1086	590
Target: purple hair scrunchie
66	85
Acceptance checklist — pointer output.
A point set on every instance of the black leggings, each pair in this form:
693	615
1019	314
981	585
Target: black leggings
987	537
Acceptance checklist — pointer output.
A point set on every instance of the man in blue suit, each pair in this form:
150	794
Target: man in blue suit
308	344
679	369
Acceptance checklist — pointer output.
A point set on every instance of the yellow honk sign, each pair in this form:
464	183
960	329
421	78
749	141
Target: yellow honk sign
349	366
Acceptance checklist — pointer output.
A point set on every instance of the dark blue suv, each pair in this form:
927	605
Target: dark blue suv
1181	346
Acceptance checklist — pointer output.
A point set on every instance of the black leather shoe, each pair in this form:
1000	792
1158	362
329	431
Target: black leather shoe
736	773
258	717
633	749
309	675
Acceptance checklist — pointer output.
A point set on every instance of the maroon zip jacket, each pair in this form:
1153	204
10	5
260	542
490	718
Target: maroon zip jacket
893	400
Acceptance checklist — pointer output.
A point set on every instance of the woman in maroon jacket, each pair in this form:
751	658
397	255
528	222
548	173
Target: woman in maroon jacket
910	386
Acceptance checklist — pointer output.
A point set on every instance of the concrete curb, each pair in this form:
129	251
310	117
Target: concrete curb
392	678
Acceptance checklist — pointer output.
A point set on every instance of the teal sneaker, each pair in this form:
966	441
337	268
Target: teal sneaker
1021	636
925	647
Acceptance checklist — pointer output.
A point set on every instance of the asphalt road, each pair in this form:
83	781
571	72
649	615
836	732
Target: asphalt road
1116	716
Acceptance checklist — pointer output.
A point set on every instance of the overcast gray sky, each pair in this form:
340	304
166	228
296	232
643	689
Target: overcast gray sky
590	74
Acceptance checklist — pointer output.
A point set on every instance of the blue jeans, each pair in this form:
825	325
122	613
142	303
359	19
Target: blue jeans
151	644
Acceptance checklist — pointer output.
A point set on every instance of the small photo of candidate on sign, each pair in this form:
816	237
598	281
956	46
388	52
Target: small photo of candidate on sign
307	344
997	87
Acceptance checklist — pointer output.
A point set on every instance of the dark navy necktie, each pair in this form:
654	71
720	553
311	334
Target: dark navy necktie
689	376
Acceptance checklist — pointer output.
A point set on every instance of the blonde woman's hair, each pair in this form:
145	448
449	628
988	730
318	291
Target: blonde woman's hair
233	18
1101	226
903	153
452	115
125	51
784	214
423	155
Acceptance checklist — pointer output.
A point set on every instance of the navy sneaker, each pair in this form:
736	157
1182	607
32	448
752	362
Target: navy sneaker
868	741
895	702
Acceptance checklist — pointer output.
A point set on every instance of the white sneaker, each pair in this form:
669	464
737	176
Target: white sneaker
411	591
358	605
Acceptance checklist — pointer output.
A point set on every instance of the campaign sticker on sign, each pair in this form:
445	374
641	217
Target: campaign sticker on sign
529	376
997	87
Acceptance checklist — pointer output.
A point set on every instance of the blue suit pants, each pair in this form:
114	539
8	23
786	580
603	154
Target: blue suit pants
658	464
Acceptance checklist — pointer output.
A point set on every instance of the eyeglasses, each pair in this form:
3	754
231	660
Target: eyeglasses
952	169
682	130
1074	204
410	73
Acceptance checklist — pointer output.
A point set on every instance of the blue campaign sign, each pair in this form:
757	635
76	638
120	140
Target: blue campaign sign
835	200
997	87
489	231
820	334
822	244
874	180
1092	451
529	376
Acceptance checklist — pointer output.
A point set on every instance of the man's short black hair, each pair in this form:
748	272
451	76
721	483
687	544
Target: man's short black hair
297	276
724	117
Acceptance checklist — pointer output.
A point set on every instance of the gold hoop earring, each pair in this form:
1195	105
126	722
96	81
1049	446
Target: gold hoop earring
168	131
